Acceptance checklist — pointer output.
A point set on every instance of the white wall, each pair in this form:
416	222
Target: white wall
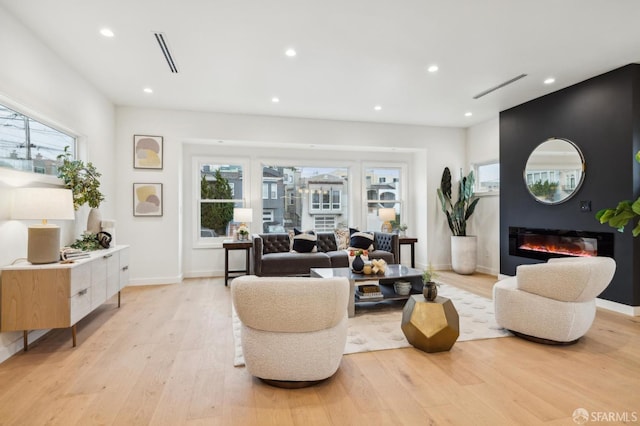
156	243
36	82
483	145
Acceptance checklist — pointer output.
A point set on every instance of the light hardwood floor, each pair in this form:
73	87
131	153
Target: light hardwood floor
165	358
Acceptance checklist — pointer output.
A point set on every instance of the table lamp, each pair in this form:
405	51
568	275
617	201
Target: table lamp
46	204
243	216
386	216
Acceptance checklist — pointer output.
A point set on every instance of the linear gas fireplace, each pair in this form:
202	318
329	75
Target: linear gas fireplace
546	243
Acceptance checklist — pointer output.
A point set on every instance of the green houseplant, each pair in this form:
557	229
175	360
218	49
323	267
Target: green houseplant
624	212
458	213
81	179
463	247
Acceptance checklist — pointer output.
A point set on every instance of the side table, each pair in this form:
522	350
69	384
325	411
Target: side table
236	245
408	241
430	326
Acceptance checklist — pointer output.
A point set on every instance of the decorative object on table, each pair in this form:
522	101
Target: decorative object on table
83	181
402	229
243	216
147	199
43	244
402	288
87	242
430	287
94	221
378	266
430	326
104	238
357	265
109	226
243	233
625	211
386	215
463	247
147	152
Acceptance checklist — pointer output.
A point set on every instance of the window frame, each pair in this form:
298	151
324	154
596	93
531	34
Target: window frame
402	199
32	117
197	161
476	171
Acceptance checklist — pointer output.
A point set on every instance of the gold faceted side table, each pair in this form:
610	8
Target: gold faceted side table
430	326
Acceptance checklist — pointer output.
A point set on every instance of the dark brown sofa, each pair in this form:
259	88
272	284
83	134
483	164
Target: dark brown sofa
272	255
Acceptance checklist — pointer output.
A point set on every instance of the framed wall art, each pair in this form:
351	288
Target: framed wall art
147	199
147	152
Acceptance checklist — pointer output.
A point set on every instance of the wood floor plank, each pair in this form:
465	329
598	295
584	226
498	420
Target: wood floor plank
166	357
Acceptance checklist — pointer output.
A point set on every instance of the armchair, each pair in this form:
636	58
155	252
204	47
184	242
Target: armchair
552	302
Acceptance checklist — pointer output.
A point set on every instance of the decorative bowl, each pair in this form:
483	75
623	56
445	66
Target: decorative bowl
402	288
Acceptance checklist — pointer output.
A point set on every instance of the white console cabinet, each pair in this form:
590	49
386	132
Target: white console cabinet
58	295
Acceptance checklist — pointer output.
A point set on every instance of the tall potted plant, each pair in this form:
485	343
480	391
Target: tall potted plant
626	211
82	180
463	246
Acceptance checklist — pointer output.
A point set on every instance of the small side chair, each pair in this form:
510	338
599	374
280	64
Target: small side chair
294	329
552	302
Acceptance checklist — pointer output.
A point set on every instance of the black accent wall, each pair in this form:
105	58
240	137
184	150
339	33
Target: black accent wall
602	117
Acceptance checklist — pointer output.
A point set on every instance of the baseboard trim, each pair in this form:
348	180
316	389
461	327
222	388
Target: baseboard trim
17	345
156	280
204	274
620	308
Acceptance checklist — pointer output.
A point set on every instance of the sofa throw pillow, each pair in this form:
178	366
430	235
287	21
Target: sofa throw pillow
304	242
342	238
360	240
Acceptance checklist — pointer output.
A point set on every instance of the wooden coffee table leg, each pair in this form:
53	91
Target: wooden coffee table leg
351	308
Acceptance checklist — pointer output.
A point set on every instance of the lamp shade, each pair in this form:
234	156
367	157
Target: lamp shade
243	215
43	244
42	204
387	215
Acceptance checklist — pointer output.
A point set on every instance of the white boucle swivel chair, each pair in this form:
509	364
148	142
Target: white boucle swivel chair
294	329
552	302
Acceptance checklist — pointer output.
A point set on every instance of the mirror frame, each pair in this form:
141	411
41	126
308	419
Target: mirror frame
578	185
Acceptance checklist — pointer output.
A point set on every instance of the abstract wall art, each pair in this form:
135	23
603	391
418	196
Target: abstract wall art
147	199
147	152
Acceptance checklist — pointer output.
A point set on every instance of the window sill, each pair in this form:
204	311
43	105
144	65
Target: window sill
487	194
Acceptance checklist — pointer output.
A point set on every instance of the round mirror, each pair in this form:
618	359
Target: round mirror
554	171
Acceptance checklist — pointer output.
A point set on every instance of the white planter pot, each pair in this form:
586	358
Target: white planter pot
93	221
464	254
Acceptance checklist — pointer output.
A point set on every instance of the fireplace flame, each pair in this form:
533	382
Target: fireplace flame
567	250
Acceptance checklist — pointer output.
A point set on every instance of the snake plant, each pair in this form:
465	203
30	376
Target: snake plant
458	213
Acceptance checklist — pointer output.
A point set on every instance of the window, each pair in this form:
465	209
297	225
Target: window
488	177
28	145
387	193
220	192
324	223
305	197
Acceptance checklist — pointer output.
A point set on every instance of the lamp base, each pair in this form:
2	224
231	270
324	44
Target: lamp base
387	227
43	244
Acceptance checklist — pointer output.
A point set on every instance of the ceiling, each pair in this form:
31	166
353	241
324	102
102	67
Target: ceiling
351	54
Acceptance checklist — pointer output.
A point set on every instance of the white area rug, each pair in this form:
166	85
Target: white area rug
377	326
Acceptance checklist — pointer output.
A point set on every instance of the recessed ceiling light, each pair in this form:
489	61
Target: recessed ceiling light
468	114
432	68
148	90
290	53
107	32
377	107
550	80
275	100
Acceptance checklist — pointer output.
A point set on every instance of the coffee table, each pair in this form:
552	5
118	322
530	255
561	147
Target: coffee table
392	273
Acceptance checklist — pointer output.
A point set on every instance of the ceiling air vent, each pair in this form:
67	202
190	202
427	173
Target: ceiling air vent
160	38
499	86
